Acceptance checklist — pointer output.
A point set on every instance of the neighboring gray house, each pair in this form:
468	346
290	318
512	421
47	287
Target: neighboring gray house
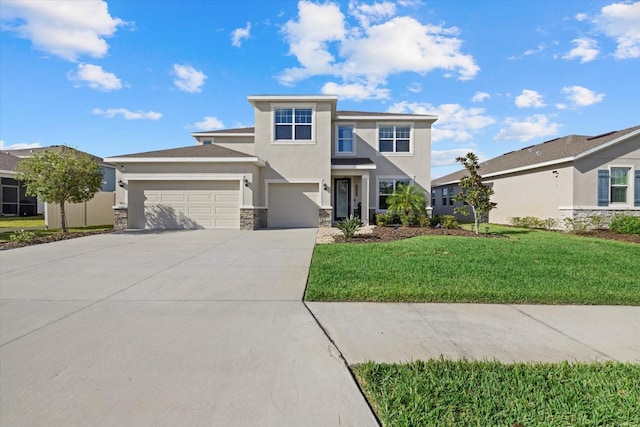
568	177
304	164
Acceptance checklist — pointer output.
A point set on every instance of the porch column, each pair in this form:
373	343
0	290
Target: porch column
365	199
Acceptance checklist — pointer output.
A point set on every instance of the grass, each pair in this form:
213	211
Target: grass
529	266
474	393
4	235
21	222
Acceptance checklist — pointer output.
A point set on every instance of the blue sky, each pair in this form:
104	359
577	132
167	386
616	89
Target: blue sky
118	77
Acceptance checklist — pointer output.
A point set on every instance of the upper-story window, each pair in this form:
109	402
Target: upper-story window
345	139
394	139
293	124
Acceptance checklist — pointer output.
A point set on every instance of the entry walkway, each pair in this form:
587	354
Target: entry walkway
168	329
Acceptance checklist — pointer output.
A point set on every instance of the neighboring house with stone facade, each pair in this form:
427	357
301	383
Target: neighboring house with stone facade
303	164
569	177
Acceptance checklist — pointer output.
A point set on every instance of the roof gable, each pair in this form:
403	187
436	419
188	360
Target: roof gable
557	150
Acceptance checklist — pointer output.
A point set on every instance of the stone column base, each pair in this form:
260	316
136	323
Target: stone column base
253	218
324	218
120	218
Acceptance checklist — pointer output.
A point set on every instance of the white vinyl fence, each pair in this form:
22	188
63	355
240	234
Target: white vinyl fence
97	211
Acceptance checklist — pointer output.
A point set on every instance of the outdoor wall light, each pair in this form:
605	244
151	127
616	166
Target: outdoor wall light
325	186
246	182
121	183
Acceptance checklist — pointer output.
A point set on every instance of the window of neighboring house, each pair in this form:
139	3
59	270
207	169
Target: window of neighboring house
345	139
293	124
386	187
445	195
394	139
433	198
451	194
619	185
206	142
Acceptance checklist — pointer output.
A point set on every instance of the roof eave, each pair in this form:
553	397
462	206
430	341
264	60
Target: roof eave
390	118
342	167
607	144
255	160
196	134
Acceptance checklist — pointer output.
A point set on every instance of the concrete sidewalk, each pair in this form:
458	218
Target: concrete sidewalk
385	332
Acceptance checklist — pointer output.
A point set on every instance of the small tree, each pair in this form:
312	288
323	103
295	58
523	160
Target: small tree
60	176
406	199
474	193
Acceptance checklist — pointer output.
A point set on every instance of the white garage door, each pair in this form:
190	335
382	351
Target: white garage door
192	205
293	205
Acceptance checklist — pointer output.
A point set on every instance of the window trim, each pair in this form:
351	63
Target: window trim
630	181
272	123
411	180
410	125
337	140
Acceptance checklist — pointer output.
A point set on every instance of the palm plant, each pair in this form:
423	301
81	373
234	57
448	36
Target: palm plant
406	199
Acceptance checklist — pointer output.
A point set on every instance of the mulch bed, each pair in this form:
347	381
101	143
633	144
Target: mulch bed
387	234
51	238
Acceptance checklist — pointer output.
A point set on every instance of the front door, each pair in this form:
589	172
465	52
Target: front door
341	198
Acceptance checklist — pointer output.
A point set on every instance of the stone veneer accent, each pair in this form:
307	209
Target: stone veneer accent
324	218
253	218
120	218
605	213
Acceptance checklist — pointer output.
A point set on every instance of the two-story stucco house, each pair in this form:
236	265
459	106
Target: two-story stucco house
303	164
570	177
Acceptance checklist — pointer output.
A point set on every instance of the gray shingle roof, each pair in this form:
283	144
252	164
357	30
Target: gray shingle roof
375	114
8	162
28	152
555	149
351	161
207	150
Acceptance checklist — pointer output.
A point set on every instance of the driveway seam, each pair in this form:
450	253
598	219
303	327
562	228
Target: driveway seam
561	332
111	295
344	361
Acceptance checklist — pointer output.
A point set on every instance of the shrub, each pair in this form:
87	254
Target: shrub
625	224
410	220
22	236
435	220
382	220
349	226
424	221
532	222
449	222
583	225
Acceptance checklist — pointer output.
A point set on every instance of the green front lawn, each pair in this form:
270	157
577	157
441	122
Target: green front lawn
528	266
464	393
21	221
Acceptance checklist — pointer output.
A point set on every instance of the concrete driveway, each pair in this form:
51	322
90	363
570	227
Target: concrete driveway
174	328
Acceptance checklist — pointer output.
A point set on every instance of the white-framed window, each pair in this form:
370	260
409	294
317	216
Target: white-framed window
345	143
619	183
386	187
395	138
293	124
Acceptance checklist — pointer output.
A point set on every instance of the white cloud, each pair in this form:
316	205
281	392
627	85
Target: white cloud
480	96
586	50
355	91
541	47
95	77
127	114
621	21
23	146
188	78
67	29
240	34
581	17
448	157
379	46
209	123
368	13
561	106
530	98
454	121
535	126
581	96
415	87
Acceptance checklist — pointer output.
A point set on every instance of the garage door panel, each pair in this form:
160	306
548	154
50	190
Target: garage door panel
196	205
293	205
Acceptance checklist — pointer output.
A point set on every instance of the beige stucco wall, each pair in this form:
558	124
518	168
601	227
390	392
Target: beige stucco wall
243	144
539	193
416	165
626	154
296	162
